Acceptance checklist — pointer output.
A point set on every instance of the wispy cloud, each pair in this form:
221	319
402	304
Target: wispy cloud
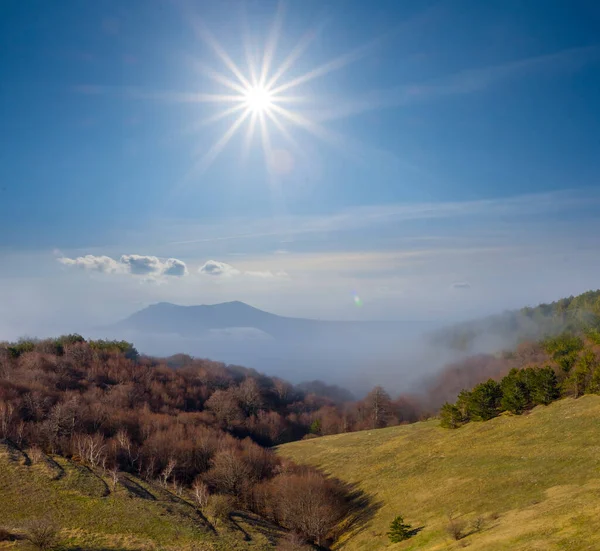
355	218
217	269
463	82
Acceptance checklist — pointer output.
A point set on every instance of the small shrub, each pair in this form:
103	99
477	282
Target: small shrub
42	534
399	530
478	524
456	529
36	454
220	506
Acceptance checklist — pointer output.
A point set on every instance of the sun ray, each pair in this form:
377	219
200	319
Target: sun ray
218	77
263	96
314	128
182	97
292	57
249	135
218	146
223	114
333	65
271	45
286	133
265	138
207	37
249	55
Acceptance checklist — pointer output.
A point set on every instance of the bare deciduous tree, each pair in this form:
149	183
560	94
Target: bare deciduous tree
91	448
167	471
201	493
42	534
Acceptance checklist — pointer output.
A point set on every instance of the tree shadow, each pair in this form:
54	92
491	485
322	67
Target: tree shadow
54	466
15	453
361	509
135	489
415	531
185	509
269	530
238	527
96	476
7	535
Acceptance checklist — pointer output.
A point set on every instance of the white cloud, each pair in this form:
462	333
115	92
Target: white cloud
103	264
135	264
142	265
218	269
174	267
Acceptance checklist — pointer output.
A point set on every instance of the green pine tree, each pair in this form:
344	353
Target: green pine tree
399	530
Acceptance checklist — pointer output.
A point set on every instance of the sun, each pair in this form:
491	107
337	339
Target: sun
258	99
260	96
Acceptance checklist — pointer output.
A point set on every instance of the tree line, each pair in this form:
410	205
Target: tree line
570	367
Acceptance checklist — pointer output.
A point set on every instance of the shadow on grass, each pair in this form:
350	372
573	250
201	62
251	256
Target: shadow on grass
15	453
269	530
54	467
6	535
89	472
415	531
361	509
135	489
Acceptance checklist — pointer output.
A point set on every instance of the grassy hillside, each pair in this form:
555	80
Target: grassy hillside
93	517
533	479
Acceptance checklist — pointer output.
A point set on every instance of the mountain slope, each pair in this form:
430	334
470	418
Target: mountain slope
533	479
94	516
294	348
189	321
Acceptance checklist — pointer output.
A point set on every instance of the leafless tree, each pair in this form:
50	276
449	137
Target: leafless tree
307	504
249	396
6	417
168	471
42	534
379	404
201	493
127	447
91	448
113	474
224	404
230	474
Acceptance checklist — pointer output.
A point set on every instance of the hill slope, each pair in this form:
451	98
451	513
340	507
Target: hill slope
534	479
573	314
135	515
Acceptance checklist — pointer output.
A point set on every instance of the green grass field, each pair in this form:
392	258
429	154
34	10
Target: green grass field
93	517
533	480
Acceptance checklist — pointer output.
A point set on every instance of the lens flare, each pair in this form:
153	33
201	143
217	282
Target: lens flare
357	300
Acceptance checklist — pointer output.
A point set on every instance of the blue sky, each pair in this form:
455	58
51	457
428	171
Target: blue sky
450	146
